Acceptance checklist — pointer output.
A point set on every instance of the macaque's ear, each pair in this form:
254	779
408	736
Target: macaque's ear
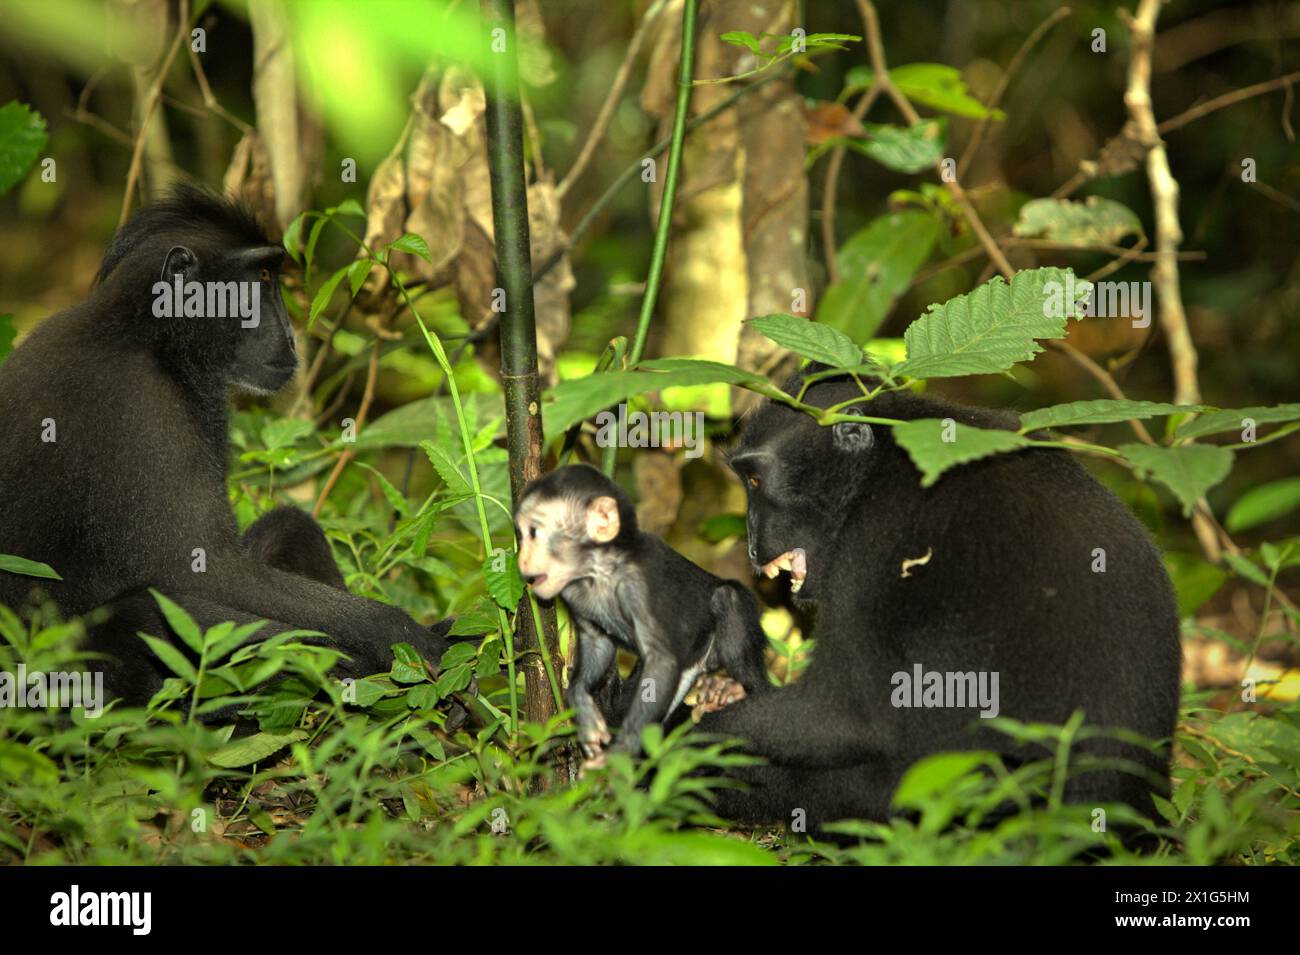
602	520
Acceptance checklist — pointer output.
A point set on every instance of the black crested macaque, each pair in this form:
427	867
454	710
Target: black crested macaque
993	570
578	538
114	420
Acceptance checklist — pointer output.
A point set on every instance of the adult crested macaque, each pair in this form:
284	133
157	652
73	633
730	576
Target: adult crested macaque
578	538
1014	586
114	420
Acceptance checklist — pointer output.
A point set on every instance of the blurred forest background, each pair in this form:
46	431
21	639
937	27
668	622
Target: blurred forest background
803	191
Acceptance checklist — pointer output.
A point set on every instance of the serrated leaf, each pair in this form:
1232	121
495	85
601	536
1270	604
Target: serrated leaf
809	339
348	207
877	264
1265	503
941	87
990	329
285	432
254	749
923	439
505	584
454	680
447	469
412	243
936	774
28	568
1098	411
1189	470
22	137
481	618
408	665
1095	221
1230	419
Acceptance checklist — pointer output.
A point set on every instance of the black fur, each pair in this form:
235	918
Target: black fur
136	478
1009	587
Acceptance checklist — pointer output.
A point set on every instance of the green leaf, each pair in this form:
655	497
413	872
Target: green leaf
1095	221
173	658
1265	503
1098	411
348	207
22	137
7	335
481	618
367	692
876	266
447	469
254	749
180	621
408	665
325	293
1246	568
505	584
454	680
941	87
293	237
809	339
358	272
413	244
285	432
577	399
906	149
1230	419
923	439
741	38
1189	471
28	568
395	499
937	774
993	327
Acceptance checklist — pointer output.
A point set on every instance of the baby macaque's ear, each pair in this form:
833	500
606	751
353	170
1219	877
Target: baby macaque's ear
602	520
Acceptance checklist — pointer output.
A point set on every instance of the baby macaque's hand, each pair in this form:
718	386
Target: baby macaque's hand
712	693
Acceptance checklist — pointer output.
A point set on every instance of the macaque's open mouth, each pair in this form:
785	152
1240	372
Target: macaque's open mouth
794	561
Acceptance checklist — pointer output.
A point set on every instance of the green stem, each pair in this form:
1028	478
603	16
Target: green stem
660	253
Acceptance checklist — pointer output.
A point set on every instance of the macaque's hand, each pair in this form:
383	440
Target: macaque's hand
713	693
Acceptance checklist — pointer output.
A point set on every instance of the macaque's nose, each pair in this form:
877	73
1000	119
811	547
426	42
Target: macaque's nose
753	552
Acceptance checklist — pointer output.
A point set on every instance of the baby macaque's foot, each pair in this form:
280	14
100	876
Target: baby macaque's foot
593	739
712	693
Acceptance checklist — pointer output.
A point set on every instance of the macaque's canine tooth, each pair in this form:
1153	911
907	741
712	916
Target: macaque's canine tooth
796	585
770	570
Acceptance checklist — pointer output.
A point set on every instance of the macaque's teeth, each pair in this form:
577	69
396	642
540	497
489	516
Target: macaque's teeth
784	561
798	569
770	570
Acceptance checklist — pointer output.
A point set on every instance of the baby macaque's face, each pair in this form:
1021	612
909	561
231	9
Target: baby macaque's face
557	537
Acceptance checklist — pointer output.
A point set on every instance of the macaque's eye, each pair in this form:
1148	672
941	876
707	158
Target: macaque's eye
265	275
753	481
532	533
